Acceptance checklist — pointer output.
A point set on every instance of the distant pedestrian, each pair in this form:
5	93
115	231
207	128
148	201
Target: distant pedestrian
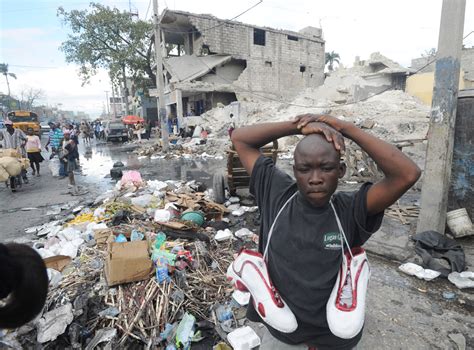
55	138
101	131
33	149
14	139
139	130
69	158
86	131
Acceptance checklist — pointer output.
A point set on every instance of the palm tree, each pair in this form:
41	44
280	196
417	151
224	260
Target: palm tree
330	58
4	71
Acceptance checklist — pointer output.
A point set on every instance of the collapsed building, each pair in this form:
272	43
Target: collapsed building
366	78
210	61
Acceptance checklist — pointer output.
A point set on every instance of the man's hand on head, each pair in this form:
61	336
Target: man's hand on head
327	131
303	119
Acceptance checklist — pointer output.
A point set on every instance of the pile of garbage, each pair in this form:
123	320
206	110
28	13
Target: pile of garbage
186	148
143	266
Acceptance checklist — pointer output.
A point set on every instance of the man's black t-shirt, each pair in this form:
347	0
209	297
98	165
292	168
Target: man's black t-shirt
305	250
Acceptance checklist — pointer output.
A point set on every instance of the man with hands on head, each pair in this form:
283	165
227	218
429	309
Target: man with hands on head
305	249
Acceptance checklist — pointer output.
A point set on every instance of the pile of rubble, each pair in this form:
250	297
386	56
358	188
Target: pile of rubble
143	266
186	148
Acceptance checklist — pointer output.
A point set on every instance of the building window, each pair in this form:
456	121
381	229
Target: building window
258	37
268	63
292	37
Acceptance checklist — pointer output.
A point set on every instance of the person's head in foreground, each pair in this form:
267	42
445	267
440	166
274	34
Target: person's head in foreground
30	131
9	125
23	284
317	169
67	135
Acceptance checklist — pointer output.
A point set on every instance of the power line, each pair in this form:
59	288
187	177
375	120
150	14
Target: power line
21	66
148	9
213	27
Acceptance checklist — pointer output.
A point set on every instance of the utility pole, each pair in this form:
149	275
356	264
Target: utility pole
439	153
160	80
125	89
107	104
115	104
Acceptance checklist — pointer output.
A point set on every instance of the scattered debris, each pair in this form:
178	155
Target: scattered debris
462	280
161	286
54	323
416	270
447	295
243	338
459	339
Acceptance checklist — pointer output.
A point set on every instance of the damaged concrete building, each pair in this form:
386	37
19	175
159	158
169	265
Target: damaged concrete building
364	79
421	85
210	61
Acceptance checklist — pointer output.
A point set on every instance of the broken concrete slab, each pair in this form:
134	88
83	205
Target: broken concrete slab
392	241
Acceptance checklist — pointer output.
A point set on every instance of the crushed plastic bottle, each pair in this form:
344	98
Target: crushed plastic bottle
160	239
121	238
185	333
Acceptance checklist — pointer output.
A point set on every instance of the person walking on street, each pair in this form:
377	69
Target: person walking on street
139	129
15	139
55	138
70	155
33	149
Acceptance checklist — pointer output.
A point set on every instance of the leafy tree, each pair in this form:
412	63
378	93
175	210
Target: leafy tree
4	71
330	58
107	38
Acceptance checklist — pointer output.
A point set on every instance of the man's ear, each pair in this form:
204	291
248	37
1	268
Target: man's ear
342	169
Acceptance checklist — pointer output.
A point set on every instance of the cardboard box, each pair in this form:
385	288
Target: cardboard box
127	262
101	235
57	262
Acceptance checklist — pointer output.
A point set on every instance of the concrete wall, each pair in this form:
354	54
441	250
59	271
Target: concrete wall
230	72
467	65
225	98
271	69
421	85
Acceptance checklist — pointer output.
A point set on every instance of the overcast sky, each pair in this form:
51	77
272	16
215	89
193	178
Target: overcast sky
30	35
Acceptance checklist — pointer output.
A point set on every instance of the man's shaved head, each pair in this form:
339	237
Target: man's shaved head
317	168
315	141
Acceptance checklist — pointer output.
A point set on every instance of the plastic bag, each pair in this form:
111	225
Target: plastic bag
54	166
131	178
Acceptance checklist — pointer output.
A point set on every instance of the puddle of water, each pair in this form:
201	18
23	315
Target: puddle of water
97	160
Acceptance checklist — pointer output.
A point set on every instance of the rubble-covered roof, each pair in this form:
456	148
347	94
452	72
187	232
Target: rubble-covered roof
190	67
377	59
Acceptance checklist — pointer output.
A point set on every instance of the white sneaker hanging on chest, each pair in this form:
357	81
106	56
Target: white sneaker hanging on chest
345	309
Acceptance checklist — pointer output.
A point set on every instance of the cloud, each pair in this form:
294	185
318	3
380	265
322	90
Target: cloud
62	85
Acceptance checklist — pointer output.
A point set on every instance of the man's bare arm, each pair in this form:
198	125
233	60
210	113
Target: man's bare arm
249	139
400	171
